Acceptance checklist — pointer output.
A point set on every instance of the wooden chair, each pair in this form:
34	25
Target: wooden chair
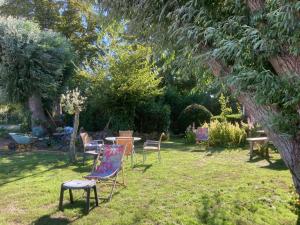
90	147
125	133
128	143
152	146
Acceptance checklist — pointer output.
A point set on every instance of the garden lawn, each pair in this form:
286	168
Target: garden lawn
190	186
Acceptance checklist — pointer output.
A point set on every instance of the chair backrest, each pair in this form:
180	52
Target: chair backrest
127	142
202	134
85	138
161	136
125	133
112	159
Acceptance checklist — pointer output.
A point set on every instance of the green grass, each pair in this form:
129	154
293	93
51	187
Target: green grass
190	186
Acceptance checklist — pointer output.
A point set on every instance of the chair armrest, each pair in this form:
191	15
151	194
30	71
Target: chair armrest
99	141
152	142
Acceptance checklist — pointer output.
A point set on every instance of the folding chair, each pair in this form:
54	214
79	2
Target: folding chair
110	166
128	142
202	135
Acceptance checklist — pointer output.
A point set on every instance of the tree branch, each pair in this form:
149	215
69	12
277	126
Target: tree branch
255	5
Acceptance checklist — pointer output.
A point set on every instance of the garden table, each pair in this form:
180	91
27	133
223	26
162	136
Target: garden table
113	139
254	140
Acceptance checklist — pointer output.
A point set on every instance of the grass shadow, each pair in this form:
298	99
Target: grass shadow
48	220
145	166
19	164
277	165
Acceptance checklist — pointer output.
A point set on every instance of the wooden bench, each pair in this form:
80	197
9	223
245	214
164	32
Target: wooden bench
259	140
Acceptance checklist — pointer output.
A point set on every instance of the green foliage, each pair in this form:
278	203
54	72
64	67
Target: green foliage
227	31
117	90
132	78
226	134
75	19
152	116
233	118
225	108
190	137
32	61
178	101
194	113
11	113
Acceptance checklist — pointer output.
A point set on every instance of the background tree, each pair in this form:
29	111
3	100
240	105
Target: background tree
73	103
253	46
75	19
33	64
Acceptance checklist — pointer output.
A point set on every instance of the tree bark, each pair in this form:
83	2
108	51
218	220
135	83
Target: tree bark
255	5
289	148
38	116
57	109
72	149
286	64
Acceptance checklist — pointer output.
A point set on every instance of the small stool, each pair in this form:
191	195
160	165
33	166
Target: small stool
86	185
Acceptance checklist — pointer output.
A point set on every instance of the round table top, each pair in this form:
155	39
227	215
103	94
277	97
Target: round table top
257	139
260	131
114	138
78	184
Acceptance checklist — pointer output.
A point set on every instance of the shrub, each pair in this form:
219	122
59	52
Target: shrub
190	137
152	117
226	134
194	113
233	118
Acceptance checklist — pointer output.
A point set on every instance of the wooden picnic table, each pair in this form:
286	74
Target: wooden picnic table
254	140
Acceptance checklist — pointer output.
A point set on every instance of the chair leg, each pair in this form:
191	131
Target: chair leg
71	196
84	157
159	156
61	197
88	192
113	188
144	156
95	161
96	196
123	177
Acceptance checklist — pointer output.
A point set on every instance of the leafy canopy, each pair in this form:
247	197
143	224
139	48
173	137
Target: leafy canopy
32	61
229	32
75	19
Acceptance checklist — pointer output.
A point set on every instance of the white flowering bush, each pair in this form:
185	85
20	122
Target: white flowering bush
73	101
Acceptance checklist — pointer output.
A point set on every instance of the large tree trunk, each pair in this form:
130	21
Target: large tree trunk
289	148
57	109
38	116
72	149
